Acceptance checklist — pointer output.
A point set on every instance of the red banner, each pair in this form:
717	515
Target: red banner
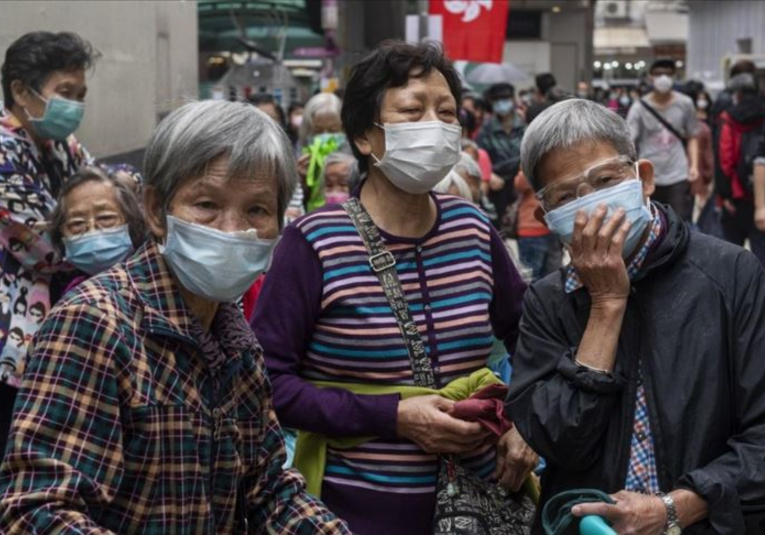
473	30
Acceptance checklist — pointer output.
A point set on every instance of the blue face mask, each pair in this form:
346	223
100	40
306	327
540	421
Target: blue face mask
218	266
97	251
503	107
627	195
337	137
62	117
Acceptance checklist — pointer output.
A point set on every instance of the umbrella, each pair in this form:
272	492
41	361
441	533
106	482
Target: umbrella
495	73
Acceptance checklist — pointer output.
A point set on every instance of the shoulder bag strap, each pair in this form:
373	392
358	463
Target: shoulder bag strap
383	265
663	121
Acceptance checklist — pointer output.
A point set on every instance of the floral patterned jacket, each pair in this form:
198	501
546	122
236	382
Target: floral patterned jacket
29	184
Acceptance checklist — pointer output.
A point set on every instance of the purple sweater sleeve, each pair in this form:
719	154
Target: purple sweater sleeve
287	309
506	306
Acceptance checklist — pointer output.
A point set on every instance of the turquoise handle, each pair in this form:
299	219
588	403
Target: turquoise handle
594	525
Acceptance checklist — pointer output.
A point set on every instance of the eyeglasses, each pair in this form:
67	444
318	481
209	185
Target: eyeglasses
602	175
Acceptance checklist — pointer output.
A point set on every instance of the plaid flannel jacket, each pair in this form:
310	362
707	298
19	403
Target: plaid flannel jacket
123	424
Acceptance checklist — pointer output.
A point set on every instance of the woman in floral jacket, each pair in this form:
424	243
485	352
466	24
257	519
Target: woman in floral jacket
43	79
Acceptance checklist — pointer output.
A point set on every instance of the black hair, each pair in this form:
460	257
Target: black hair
390	65
34	56
467	120
21	300
544	82
499	91
39	305
663	63
18	332
743	66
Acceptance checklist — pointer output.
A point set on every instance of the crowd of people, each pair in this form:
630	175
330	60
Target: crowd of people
309	320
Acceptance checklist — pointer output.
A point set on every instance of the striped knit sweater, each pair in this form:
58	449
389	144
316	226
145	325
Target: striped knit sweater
323	315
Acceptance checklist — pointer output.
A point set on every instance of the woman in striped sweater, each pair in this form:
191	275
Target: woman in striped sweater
330	339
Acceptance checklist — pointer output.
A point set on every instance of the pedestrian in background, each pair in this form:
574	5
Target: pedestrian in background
742	129
664	128
501	138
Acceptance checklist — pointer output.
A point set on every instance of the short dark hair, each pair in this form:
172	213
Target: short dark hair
390	65
34	56
663	63
498	91
544	82
742	66
126	199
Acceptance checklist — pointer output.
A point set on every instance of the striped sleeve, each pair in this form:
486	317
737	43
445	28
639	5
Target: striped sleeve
284	321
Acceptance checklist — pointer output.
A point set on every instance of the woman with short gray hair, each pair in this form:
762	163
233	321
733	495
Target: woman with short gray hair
97	223
145	387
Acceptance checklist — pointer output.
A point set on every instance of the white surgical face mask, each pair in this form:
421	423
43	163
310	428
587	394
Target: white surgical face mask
215	265
663	83
419	155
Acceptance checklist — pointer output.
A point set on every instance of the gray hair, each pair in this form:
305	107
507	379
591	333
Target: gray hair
468	165
319	104
343	157
744	82
126	201
195	134
569	123
453	179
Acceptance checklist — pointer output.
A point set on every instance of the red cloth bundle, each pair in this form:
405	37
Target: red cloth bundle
487	407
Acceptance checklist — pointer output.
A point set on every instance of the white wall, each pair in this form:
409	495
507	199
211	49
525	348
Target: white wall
714	29
149	61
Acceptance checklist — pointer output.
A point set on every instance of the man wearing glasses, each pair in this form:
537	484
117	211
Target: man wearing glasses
640	368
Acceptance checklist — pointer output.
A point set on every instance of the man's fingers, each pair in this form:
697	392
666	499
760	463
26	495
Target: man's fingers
580	220
591	229
608	230
617	242
606	510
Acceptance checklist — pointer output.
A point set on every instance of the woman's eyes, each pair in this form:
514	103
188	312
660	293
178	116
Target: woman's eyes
205	205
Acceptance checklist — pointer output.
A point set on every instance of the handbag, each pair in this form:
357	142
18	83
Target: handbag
465	503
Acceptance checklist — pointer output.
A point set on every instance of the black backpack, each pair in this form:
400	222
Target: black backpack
749	150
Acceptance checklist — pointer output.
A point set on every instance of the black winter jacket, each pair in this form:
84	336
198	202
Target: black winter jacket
696	321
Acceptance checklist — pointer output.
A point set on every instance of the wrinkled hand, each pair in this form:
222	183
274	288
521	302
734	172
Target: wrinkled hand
633	513
515	460
596	253
759	218
302	164
424	421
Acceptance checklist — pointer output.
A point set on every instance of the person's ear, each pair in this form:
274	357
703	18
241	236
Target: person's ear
22	96
362	143
154	218
646	175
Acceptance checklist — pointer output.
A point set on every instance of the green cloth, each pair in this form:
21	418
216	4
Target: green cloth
319	149
311	448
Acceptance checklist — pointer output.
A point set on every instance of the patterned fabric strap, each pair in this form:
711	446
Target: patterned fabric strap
383	265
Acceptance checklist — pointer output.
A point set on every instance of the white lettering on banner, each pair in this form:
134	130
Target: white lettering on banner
470	8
